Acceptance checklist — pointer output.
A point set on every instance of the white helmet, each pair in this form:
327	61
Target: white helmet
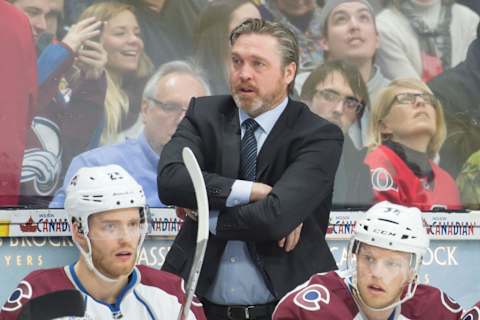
394	227
98	189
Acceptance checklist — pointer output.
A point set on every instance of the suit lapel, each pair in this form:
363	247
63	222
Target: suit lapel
280	130
230	142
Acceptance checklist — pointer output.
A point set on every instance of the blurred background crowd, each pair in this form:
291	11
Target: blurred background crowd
401	78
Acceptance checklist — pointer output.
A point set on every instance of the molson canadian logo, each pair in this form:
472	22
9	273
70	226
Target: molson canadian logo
29	226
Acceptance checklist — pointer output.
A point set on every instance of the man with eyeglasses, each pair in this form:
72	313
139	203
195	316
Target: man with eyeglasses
336	91
108	218
165	100
349	32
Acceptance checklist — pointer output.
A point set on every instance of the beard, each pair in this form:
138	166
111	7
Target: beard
104	264
257	104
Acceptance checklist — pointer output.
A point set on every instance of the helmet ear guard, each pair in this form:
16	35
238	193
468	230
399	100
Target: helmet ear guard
393	227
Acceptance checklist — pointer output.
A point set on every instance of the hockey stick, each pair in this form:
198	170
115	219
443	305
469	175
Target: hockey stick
202	233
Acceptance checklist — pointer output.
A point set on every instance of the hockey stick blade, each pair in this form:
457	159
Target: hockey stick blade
202	233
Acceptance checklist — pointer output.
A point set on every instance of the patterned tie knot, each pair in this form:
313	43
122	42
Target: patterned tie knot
250	125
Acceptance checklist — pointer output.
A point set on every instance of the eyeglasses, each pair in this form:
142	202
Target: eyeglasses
349	103
411	98
169	107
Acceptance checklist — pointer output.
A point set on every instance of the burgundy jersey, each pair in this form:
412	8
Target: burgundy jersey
394	181
327	296
473	313
149	294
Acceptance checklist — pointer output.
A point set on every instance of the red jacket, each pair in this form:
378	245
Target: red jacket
18	78
394	181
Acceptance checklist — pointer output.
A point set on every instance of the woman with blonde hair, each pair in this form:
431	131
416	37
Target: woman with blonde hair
406	132
127	69
111	105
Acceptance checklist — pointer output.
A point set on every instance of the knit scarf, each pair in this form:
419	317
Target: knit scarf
435	44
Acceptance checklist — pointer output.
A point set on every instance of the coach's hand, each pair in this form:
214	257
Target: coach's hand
259	191
290	242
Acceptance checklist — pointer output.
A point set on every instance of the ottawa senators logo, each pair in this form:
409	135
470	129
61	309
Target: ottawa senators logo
382	180
22	294
310	297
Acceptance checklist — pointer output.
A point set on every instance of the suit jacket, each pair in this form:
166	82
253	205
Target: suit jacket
298	159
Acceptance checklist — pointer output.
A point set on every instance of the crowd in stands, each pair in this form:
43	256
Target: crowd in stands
401	78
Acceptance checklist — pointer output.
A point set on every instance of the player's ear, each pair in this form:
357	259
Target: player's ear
78	236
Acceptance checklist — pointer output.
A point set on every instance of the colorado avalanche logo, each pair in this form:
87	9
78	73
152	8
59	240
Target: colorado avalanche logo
21	295
472	314
310	297
450	304
382	180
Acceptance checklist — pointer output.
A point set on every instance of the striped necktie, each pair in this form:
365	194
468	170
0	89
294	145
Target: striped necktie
248	151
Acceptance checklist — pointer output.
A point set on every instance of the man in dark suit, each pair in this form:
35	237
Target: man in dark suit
270	211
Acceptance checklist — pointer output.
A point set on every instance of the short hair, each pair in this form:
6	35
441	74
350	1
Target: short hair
287	42
348	71
383	105
176	66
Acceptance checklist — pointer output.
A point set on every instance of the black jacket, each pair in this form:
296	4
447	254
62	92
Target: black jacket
299	159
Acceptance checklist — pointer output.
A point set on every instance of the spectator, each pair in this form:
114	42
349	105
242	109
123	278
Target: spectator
381	281
406	132
270	203
336	91
422	38
165	100
36	11
349	32
302	17
211	38
108	219
458	90
167	27
42	158
18	78
127	67
469	182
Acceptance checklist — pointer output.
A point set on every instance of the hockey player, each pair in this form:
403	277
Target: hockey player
108	219
380	282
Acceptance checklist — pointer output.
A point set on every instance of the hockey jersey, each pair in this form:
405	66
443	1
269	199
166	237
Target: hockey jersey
394	181
149	294
473	313
327	296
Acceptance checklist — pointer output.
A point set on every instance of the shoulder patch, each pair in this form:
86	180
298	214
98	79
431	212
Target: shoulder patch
382	180
311	297
21	295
